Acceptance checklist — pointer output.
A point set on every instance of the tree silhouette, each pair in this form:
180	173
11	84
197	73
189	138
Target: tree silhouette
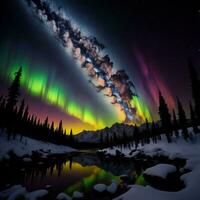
147	132
136	136
71	137
60	127
193	119
154	132
13	91
21	109
175	123
195	84
182	120
165	117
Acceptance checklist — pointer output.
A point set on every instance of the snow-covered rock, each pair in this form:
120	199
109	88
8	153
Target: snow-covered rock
13	192
27	159
47	186
160	170
36	194
77	195
112	188
27	146
63	196
17	191
100	187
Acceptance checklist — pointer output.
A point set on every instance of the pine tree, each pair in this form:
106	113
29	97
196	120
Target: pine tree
46	123
52	127
193	119
13	91
153	132
2	113
182	120
175	123
147	132
71	137
195	84
136	136
165	117
60	127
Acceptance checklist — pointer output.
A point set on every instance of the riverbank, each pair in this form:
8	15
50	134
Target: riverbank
26	147
179	148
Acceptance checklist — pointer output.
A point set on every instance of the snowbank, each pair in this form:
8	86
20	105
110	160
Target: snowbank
28	145
17	191
112	188
179	148
63	196
160	170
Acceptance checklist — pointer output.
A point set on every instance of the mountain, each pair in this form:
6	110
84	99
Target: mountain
94	136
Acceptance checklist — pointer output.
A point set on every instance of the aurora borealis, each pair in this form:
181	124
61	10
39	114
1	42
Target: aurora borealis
53	82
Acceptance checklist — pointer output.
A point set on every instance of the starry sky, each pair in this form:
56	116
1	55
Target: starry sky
151	40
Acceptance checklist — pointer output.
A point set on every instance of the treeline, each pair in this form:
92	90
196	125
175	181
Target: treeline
16	119
170	124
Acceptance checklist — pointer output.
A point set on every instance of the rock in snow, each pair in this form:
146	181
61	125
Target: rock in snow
77	194
16	191
27	159
112	188
160	170
36	194
100	187
63	196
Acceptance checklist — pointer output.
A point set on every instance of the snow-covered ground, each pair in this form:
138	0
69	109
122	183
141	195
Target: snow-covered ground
179	148
18	191
27	146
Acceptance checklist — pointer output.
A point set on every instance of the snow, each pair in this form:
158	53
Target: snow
112	188
27	146
160	170
16	191
36	194
77	195
100	187
178	148
63	196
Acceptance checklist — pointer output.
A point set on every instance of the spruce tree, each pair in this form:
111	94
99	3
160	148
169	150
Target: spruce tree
71	138
175	123
195	84
165	117
60	127
193	119
14	91
52	127
136	136
182	120
147	132
154	132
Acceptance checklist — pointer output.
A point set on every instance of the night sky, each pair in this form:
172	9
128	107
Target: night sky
151	41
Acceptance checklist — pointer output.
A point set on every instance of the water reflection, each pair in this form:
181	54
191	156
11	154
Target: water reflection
81	173
63	175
